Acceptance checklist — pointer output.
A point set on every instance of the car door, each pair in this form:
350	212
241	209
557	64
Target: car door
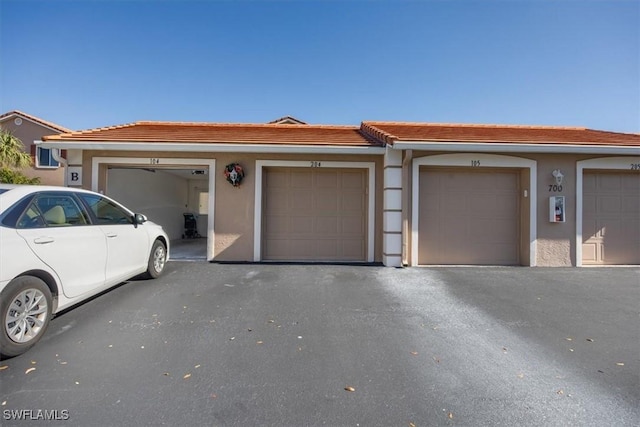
127	243
57	228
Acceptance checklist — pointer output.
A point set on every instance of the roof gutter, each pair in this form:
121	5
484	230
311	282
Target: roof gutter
57	156
485	147
212	147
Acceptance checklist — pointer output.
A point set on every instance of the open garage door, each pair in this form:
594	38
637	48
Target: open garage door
314	214
611	218
468	216
165	194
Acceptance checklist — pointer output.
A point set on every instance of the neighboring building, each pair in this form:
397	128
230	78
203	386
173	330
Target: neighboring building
28	129
287	120
395	193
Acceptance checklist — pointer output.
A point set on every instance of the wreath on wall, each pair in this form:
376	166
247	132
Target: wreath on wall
234	174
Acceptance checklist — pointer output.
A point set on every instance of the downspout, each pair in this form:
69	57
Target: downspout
56	154
406	196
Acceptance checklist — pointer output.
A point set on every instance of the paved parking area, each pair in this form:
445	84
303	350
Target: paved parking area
294	345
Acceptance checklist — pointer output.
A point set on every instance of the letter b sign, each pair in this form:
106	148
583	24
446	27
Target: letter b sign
74	175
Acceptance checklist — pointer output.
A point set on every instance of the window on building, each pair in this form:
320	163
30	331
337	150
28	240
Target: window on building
44	158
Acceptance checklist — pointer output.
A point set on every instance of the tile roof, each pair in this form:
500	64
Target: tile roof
35	120
391	132
188	132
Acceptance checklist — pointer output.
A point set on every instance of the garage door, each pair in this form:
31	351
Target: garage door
314	214
611	218
468	217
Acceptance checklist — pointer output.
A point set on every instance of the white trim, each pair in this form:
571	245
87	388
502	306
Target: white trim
491	147
465	160
37	164
217	147
604	163
146	162
257	217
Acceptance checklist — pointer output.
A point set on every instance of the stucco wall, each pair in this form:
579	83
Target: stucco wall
234	216
234	206
28	132
555	242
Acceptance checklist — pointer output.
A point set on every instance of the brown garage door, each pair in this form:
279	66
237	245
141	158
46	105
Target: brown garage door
314	214
611	218
468	217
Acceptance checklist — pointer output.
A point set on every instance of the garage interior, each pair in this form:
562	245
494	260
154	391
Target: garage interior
165	195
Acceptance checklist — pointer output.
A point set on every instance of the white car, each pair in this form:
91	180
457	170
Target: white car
60	246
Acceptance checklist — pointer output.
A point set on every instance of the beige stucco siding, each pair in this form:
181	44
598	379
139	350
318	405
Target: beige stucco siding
234	220
541	243
555	243
28	132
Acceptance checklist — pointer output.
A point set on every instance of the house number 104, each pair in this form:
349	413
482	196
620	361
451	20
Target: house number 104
154	161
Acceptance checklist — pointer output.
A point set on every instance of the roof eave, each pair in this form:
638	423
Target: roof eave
212	147
489	147
52	126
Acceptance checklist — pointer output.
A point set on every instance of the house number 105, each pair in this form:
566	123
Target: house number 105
475	163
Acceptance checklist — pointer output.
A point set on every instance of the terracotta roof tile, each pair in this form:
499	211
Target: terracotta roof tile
390	132
189	132
35	119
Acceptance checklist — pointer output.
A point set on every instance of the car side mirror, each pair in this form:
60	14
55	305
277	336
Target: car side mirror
139	219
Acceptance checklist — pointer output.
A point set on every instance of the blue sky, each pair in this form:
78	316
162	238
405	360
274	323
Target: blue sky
86	64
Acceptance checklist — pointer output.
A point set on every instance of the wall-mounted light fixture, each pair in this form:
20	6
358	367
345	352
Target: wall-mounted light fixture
558	175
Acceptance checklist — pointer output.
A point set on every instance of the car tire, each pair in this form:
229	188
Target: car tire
25	312
157	260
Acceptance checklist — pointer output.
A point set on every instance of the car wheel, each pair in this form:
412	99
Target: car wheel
157	260
25	311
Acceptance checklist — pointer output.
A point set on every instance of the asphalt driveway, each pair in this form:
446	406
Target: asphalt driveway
294	345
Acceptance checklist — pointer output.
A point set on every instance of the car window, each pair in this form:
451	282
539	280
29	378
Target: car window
53	210
31	218
105	211
11	215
